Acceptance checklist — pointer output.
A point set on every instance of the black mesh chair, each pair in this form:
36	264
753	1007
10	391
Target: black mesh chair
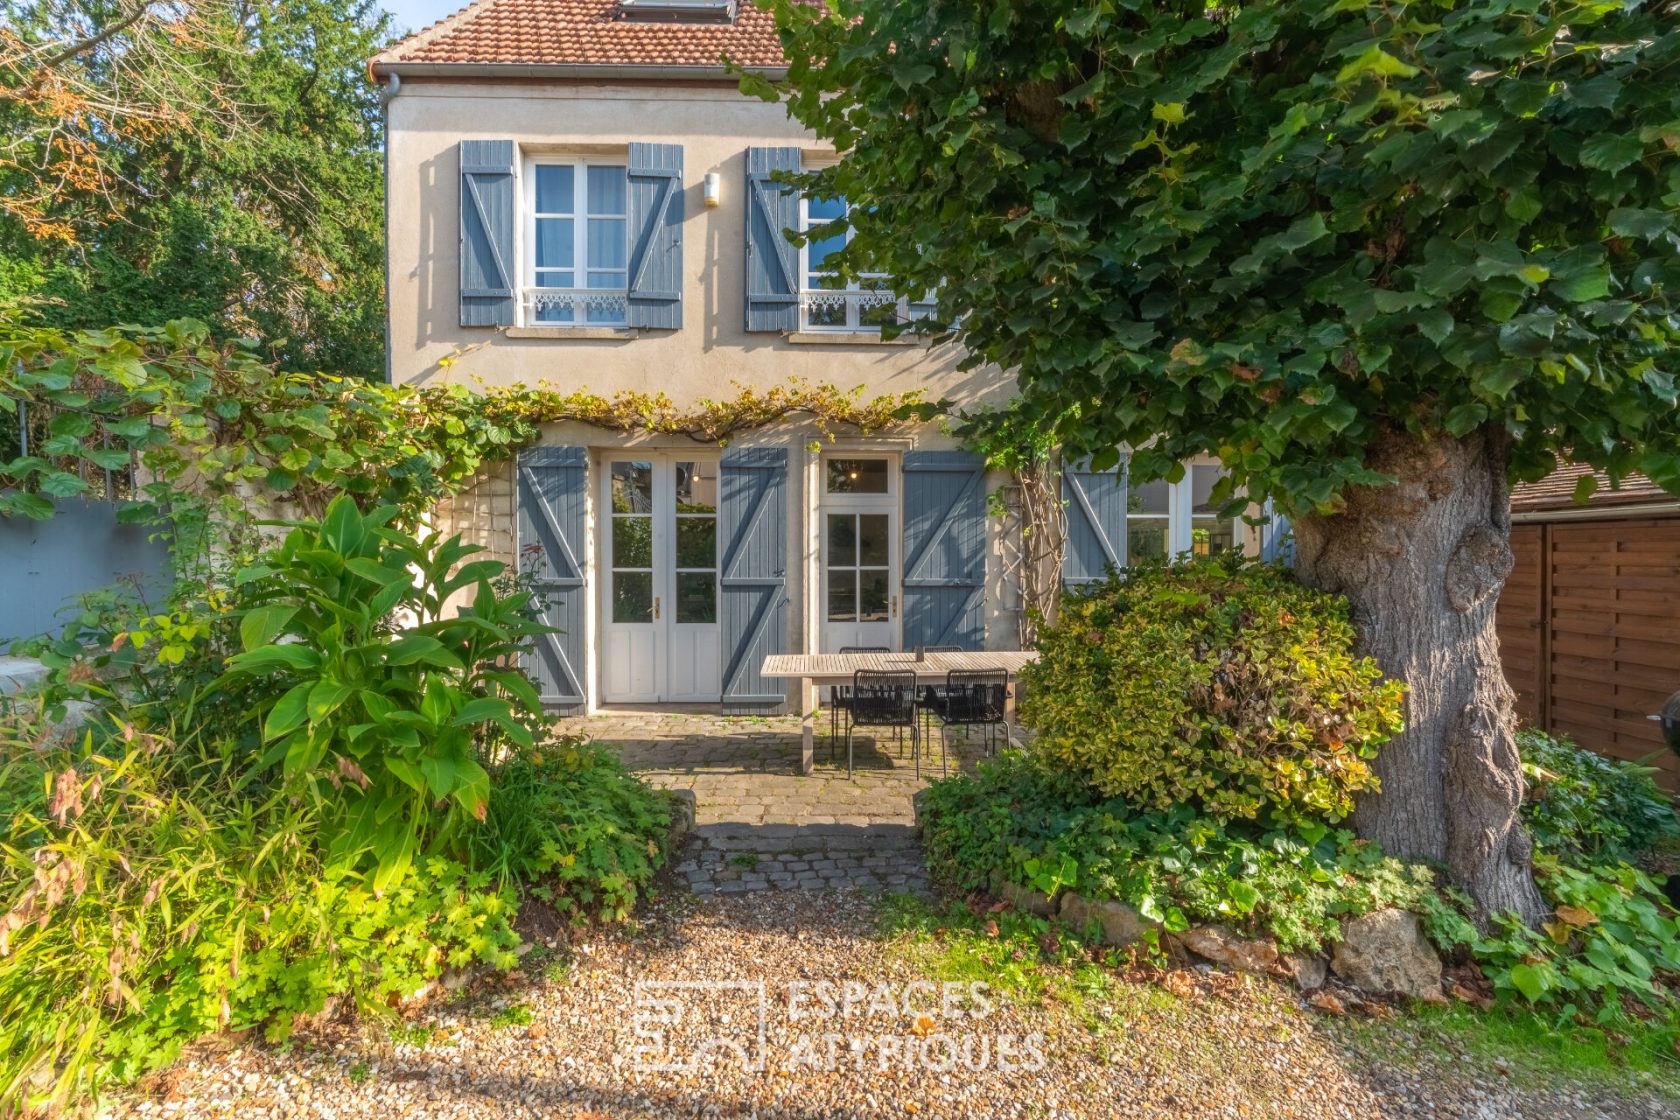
932	692
883	699
974	698
839	698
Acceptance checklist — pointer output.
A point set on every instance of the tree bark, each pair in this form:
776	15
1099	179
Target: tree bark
1423	562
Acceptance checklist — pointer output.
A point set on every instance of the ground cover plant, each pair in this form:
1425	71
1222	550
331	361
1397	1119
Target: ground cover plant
1085	810
312	788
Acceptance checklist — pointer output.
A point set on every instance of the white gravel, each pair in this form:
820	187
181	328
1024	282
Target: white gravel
1221	1046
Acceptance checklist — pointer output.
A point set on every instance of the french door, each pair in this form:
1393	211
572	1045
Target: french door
659	610
859	553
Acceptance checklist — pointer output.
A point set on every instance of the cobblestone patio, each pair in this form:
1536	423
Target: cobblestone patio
761	826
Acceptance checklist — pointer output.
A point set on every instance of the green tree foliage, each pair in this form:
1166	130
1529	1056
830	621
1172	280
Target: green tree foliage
1376	256
200	158
1277	230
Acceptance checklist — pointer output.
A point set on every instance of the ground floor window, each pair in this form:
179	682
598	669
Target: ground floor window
1168	519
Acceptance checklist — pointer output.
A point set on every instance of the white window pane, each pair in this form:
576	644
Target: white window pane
819	251
1148	497
556	278
554	190
606	243
606	190
1146	539
555	313
554	242
608	280
1202	482
825	209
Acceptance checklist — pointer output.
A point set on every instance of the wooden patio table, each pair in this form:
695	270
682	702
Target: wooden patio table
813	670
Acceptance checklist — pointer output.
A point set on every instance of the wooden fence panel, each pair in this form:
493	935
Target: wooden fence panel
1589	630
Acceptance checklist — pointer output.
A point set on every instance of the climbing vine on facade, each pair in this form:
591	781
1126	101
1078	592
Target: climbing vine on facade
208	426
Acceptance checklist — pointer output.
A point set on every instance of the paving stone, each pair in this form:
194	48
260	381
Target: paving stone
816	832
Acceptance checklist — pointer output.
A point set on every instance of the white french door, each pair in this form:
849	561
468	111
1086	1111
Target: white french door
859	552
659	610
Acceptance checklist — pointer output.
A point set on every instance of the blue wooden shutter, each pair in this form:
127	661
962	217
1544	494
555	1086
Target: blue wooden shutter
944	549
552	488
488	219
772	260
1096	522
752	524
1277	540
656	217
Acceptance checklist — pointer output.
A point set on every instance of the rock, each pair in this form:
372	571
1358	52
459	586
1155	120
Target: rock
1027	899
1385	953
682	819
918	809
1121	925
18	674
1224	947
1309	970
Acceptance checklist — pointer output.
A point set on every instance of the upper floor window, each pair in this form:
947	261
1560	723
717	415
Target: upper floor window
829	303
577	233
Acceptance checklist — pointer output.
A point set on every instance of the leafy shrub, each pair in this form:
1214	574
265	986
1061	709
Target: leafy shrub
147	899
572	826
1588	809
380	723
1295	885
350	803
1612	936
1226	687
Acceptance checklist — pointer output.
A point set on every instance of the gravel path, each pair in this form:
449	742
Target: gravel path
571	1041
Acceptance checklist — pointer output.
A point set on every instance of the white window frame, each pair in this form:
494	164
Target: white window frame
855	295
589	305
1181	515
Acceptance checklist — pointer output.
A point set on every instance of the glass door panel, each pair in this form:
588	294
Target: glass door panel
859	554
660	611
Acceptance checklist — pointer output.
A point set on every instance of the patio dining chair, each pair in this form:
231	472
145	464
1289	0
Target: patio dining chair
972	698
839	697
932	692
883	699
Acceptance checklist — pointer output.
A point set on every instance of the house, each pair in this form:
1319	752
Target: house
1589	622
578	193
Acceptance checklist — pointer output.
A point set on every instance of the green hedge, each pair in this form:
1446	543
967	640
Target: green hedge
1227	687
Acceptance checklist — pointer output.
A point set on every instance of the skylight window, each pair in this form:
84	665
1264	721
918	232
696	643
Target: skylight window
678	11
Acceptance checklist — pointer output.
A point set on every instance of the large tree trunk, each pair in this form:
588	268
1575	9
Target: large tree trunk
1422	563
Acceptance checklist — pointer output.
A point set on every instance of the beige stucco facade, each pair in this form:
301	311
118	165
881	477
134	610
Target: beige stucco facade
710	357
715	125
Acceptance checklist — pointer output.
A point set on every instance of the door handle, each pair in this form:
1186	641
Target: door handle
656	607
892	608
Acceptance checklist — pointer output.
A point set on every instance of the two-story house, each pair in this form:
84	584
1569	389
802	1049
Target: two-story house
578	193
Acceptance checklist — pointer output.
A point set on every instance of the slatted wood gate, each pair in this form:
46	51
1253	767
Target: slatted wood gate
1589	632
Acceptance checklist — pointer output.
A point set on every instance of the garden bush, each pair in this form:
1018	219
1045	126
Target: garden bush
1294	885
146	898
1587	809
1227	687
314	788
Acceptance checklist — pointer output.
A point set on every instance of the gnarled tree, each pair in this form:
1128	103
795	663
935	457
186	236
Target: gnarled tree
1379	258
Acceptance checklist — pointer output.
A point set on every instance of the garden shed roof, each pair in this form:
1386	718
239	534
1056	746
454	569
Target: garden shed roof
1557	491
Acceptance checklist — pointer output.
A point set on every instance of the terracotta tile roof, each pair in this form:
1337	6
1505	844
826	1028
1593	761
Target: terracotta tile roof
1557	491
586	33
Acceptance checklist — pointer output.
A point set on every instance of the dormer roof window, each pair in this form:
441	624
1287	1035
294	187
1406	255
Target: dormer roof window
678	11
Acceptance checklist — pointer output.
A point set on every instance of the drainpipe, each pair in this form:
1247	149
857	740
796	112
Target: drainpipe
393	86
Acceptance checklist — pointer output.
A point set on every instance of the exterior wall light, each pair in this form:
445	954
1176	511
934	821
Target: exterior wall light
713	188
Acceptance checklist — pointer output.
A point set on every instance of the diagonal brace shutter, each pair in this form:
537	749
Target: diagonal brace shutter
753	573
772	260
488	218
944	549
655	222
1096	523
552	488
